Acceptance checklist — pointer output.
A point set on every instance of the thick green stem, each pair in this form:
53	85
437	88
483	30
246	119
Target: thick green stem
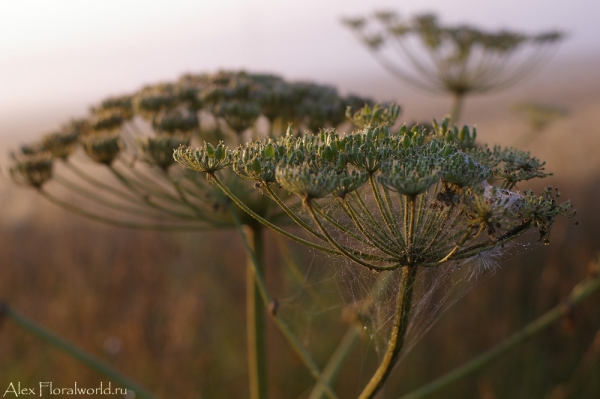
457	104
581	291
401	318
255	316
74	351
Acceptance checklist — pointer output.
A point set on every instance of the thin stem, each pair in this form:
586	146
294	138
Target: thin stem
579	293
401	318
337	359
119	223
364	214
74	351
255	314
99	184
265	222
285	330
447	211
457	103
420	208
291	214
332	221
102	201
390	208
145	197
411	225
147	183
464	238
339	247
382	245
382	210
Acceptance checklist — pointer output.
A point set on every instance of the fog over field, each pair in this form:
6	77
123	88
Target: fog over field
58	60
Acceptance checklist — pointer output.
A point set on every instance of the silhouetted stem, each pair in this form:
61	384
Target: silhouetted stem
581	291
73	351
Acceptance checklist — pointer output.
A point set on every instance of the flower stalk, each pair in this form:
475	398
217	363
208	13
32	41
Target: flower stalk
255	314
394	345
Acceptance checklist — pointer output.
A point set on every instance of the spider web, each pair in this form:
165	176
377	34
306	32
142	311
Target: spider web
332	294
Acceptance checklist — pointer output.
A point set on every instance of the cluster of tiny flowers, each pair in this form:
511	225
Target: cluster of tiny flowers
459	59
430	193
173	112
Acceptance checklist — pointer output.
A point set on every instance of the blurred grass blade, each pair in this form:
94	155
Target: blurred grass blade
73	351
579	293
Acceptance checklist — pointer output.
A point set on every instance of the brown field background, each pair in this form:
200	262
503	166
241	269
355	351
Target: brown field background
167	309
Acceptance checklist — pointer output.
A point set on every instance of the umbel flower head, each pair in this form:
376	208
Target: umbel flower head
458	60
137	137
204	159
413	197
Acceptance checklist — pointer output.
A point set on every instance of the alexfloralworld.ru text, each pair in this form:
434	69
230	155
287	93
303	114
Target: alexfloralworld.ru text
16	390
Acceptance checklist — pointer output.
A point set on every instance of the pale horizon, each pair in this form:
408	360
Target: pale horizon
59	58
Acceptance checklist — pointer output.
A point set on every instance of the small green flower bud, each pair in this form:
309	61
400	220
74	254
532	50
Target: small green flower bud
269	151
108	120
176	121
210	150
406	141
303	181
460	170
256	167
220	152
349	182
327	154
410	176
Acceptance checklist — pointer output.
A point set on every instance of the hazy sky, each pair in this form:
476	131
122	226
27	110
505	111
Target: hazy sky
61	56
